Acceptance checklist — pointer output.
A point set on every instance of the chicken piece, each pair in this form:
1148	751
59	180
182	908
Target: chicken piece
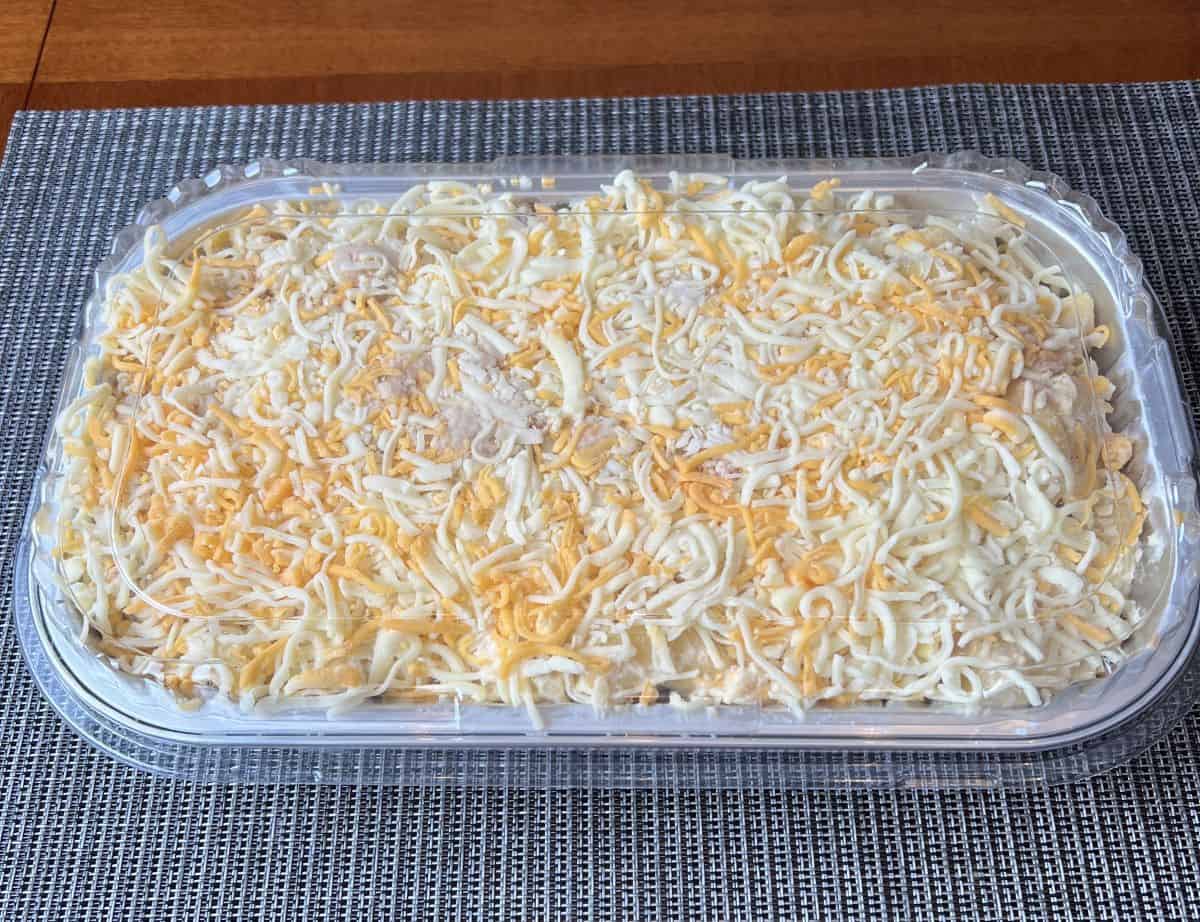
1117	451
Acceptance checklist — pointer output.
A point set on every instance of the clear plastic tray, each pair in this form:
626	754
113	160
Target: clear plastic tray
1085	728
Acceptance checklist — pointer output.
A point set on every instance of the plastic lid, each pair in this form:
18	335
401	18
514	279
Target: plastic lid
732	445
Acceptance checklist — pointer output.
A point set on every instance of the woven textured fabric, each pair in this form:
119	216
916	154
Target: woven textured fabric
82	837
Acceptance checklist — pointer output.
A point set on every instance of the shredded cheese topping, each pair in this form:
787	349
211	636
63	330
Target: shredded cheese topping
704	444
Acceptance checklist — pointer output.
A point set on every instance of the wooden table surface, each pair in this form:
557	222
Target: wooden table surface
87	53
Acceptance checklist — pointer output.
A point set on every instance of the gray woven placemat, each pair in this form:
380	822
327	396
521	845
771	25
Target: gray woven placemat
84	838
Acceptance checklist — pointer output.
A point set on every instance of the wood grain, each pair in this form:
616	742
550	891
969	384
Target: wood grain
22	26
170	52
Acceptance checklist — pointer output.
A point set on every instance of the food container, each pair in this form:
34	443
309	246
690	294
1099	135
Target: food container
1086	728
